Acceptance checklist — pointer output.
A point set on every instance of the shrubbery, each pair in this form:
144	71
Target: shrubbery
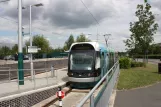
126	63
137	64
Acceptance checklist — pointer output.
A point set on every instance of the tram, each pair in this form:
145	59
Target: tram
88	62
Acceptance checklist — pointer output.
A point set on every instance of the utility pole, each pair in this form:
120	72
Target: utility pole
107	38
20	54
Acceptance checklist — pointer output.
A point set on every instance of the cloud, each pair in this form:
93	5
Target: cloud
11	11
71	17
72	14
156	4
8	41
68	14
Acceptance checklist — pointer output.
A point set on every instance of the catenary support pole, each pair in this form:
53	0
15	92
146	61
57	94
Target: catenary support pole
20	54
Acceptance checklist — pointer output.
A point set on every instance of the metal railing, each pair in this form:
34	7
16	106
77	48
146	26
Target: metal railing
101	100
3	74
9	80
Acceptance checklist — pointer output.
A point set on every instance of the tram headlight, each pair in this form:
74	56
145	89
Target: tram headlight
70	74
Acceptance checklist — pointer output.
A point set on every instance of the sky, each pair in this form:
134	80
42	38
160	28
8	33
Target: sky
57	19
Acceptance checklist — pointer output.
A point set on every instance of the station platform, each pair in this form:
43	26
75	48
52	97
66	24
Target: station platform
41	80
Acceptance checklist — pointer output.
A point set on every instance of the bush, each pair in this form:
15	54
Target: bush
137	64
125	63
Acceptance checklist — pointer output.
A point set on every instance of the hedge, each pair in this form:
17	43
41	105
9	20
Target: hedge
149	56
137	64
126	63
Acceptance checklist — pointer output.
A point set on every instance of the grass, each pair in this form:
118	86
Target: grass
138	77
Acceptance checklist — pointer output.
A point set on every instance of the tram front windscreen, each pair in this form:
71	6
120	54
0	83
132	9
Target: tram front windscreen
81	60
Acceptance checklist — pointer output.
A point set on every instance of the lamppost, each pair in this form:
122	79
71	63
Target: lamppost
108	35
31	57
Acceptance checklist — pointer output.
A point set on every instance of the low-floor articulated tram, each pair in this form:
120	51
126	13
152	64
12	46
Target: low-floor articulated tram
87	63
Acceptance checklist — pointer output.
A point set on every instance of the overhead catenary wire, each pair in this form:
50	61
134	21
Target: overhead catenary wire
47	31
90	12
92	16
8	19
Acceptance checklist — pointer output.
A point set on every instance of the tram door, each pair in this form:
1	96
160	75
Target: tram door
107	62
103	64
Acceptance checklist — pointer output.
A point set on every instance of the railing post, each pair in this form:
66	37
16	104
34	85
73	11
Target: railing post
57	81
18	80
9	75
46	77
92	100
34	79
52	71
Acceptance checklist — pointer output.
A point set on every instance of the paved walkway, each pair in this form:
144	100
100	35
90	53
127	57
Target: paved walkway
41	80
143	97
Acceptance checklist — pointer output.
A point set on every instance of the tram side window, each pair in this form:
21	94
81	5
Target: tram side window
98	61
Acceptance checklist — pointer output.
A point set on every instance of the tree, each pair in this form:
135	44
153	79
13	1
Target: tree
82	38
155	49
5	50
142	30
65	48
69	42
41	42
15	49
59	49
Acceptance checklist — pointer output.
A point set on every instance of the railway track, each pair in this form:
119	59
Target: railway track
72	97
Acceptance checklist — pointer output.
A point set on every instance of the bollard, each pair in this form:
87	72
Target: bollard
52	71
60	94
9	75
60	98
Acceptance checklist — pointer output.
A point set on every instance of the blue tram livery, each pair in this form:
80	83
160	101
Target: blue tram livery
88	62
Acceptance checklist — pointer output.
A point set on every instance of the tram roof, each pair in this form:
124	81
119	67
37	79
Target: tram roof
97	46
